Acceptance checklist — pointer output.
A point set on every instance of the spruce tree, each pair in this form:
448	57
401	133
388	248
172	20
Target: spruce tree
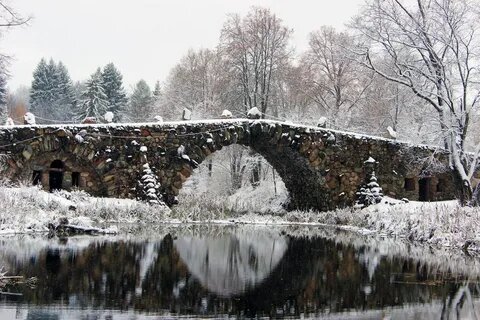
51	94
113	87
40	99
66	96
94	101
141	102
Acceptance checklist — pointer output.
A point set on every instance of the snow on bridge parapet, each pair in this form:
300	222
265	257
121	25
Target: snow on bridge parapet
321	168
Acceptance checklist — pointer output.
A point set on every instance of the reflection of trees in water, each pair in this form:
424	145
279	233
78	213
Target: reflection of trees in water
310	275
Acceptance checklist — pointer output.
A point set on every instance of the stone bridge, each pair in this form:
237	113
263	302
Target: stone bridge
322	169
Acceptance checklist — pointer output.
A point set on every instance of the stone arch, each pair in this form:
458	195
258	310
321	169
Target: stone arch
294	155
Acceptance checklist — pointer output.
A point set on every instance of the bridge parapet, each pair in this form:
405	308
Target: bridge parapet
322	169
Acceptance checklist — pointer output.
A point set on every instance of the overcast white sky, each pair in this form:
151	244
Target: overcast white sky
143	38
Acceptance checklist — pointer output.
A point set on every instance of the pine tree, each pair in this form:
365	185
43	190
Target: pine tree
94	101
113	87
141	102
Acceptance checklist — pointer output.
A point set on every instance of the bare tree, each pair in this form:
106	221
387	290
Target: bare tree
255	49
432	46
195	83
335	82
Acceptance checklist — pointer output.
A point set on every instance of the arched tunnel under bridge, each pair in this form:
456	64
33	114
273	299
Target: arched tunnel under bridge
322	169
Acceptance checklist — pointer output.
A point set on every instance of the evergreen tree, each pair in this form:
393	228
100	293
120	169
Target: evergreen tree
39	98
94	100
141	102
3	96
113	88
370	191
51	94
157	91
66	96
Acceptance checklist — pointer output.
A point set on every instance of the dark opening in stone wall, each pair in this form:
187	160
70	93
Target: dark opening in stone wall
75	179
56	175
36	177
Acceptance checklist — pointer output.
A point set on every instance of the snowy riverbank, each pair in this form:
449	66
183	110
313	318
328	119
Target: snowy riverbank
439	224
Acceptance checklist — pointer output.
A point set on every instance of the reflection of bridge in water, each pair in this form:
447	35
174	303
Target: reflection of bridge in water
232	263
322	169
227	270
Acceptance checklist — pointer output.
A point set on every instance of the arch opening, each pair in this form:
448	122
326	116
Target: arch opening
235	179
56	171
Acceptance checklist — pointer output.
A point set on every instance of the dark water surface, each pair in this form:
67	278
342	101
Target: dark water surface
226	271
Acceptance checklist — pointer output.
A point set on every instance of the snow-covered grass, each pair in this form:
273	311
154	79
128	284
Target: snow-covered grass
439	224
29	209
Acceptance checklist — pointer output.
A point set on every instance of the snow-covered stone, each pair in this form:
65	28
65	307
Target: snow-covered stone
9	122
226	114
322	122
392	133
108	117
29	118
158	119
254	113
186	114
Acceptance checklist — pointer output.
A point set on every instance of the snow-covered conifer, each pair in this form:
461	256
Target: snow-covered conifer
51	96
149	187
66	96
141	102
112	83
94	101
370	191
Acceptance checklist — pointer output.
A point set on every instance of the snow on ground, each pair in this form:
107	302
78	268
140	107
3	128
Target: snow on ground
29	209
438	224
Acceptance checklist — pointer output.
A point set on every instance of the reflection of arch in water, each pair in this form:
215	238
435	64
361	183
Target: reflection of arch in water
233	263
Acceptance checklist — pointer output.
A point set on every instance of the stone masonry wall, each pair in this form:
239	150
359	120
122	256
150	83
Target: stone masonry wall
321	169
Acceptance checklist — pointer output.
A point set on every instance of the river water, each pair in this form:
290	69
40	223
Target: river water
236	271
